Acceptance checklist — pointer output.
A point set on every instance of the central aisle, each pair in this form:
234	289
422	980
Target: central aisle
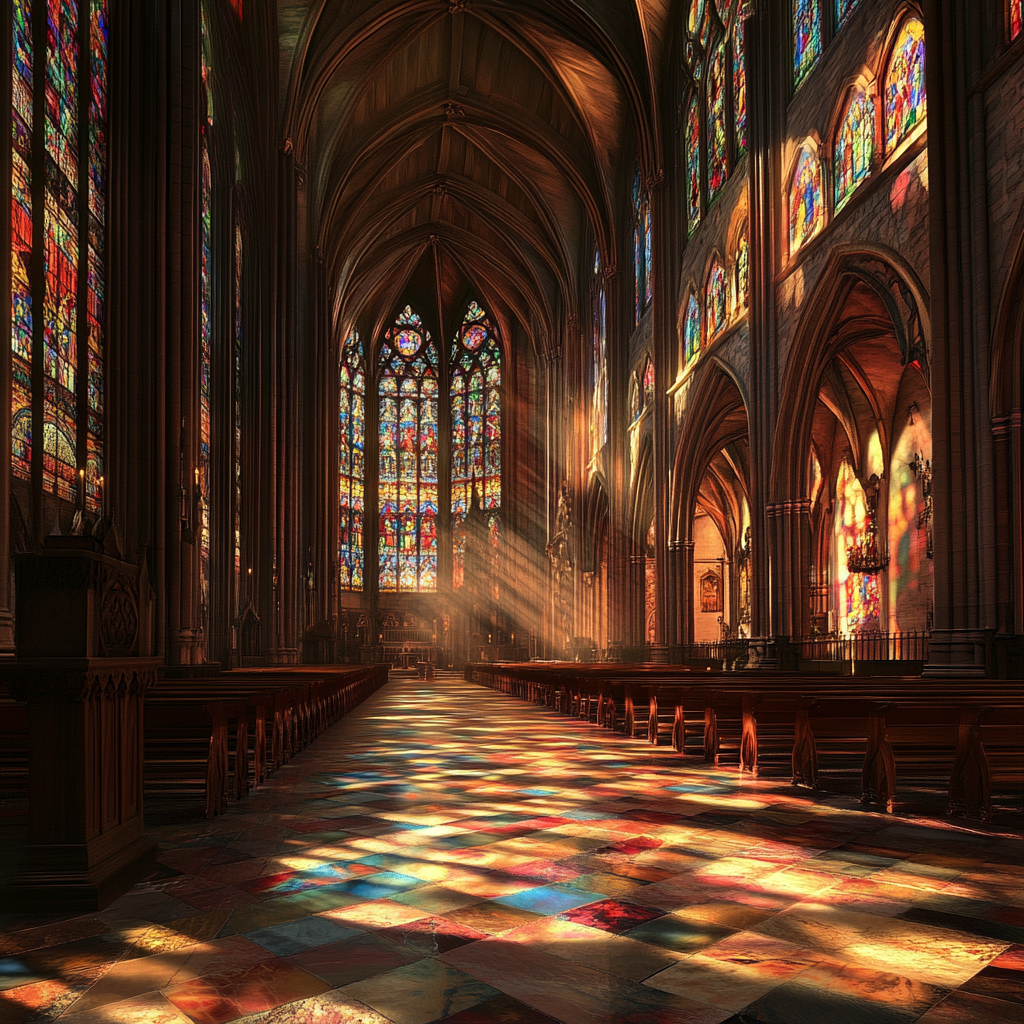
447	853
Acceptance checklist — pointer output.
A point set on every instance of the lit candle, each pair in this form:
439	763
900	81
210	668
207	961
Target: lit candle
103	502
81	487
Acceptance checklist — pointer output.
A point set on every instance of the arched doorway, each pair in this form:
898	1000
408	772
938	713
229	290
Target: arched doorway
711	514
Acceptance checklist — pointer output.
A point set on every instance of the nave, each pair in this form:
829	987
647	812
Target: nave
448	853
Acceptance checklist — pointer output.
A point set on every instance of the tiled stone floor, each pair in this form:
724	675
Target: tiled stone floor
446	853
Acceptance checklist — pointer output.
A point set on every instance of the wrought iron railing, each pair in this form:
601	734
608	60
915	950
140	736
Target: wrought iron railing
875	646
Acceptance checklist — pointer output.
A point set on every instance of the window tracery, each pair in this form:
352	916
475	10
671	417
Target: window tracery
49	323
642	246
855	147
806	37
599	363
692	329
743	269
351	463
806	203
715	64
905	99
476	430
715	295
407	502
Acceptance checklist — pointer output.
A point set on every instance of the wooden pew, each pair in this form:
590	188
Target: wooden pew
893	729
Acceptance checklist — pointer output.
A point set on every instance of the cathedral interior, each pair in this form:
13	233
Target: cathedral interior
513	512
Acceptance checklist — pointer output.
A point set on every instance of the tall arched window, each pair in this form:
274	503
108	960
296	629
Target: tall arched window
717	166
1015	18
905	100
806	203
408	394
205	342
351	462
237	367
649	383
714	62
692	329
806	37
739	86
641	246
743	269
476	429
65	343
693	163
855	147
599	337
715	295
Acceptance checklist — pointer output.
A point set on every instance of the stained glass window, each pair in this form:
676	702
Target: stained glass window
844	8
96	278
21	240
408	396
476	430
905	101
691	328
205	348
648	383
351	462
806	205
1015	18
717	169
696	22
739	86
641	246
855	147
806	37
715	299
237	354
54	328
61	251
599	398
743	269
693	163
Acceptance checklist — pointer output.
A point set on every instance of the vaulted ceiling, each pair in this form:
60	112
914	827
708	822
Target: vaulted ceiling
469	146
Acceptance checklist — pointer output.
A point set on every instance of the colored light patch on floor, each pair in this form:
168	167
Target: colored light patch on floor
448	854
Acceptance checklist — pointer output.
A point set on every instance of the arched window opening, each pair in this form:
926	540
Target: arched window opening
408	394
715	299
806	37
855	147
692	329
205	350
717	165
806	203
599	363
739	86
717	80
351	463
693	163
476	430
743	270
648	383
22	342
49	324
905	99
641	246
844	8
237	368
